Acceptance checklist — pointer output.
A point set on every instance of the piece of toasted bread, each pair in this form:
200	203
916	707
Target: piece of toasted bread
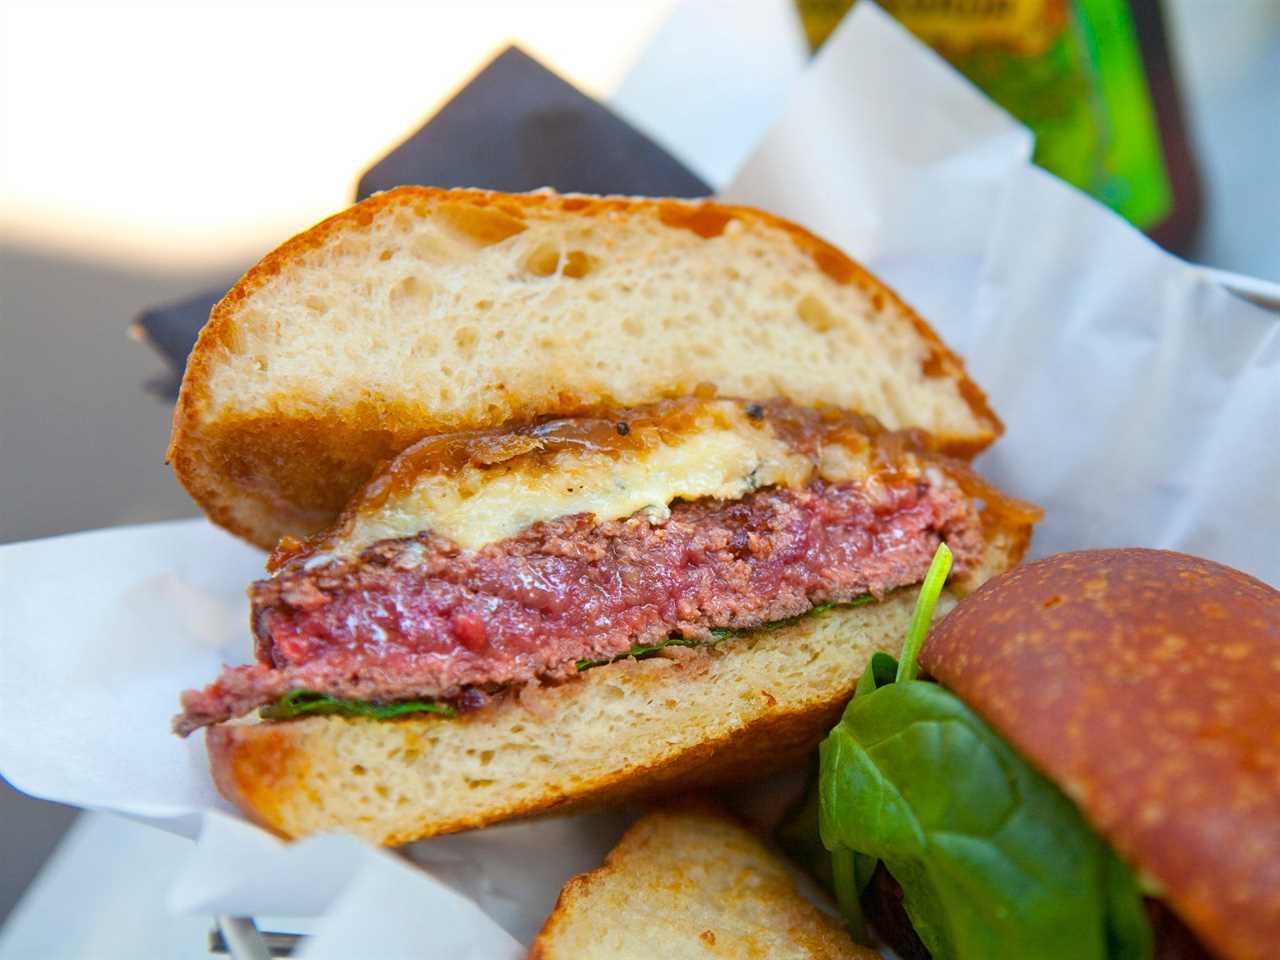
690	882
751	705
423	310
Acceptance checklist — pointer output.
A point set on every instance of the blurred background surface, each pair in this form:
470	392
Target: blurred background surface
151	151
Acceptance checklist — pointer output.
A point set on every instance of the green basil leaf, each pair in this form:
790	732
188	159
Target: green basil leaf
298	703
992	858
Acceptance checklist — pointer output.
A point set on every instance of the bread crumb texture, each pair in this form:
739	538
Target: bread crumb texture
421	311
689	882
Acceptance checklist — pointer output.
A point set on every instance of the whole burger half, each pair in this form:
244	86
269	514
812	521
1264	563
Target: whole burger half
571	498
1091	771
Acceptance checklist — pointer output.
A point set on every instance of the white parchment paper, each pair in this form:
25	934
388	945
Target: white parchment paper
1142	404
1142	400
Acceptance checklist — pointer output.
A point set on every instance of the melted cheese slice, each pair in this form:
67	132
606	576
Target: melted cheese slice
722	454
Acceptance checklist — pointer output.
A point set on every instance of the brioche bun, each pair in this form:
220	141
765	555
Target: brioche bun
1146	684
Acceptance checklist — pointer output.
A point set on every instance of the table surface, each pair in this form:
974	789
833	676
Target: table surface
84	445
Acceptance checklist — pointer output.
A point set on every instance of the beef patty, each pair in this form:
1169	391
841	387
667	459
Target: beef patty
419	617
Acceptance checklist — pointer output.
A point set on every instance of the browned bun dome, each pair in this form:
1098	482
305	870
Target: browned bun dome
1146	684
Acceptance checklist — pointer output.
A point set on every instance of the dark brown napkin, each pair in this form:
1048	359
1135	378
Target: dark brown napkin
515	126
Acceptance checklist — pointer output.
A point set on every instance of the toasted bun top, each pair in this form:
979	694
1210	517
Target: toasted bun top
422	311
1147	685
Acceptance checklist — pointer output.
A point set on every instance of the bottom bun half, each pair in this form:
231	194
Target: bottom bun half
749	706
752	704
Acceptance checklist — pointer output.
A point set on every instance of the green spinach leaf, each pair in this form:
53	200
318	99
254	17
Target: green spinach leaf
298	703
721	633
993	860
640	650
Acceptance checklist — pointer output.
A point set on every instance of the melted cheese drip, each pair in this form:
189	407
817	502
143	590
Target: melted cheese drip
725	456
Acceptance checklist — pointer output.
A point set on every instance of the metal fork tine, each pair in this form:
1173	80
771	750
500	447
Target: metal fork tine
240	938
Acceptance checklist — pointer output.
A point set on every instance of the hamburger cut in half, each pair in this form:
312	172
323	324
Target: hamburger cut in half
572	499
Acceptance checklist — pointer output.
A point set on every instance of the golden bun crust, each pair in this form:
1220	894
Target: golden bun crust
421	311
1147	685
689	882
751	705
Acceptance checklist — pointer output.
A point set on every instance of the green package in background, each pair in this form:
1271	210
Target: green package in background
1071	70
1132	179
